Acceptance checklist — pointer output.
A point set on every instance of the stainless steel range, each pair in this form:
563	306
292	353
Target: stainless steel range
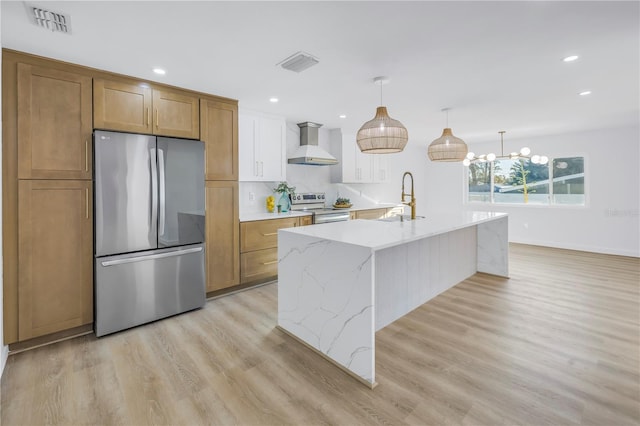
314	202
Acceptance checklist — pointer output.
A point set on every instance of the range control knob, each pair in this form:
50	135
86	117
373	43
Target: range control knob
322	196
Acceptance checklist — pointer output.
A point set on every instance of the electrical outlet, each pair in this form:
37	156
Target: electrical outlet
252	196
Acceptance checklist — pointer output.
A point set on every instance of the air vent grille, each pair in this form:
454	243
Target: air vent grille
299	62
53	21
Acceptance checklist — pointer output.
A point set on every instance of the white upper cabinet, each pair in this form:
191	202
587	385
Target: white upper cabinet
380	167
262	144
354	166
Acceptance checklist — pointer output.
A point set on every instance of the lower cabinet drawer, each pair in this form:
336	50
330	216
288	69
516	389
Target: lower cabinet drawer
258	265
262	234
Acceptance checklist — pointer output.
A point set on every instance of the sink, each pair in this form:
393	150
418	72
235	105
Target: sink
400	218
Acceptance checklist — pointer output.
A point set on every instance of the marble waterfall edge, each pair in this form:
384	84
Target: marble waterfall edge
493	247
326	299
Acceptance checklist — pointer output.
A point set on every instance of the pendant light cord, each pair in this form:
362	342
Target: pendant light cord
381	104
446	111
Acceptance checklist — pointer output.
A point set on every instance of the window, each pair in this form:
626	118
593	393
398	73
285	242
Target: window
568	180
519	181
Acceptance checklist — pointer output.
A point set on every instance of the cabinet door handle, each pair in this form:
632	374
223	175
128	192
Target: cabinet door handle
148	116
261	169
157	118
86	155
269	234
86	203
255	169
270	263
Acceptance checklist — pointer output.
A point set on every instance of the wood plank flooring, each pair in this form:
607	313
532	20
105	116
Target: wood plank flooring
558	343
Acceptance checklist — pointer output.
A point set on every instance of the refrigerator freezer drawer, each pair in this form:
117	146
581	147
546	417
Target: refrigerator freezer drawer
141	287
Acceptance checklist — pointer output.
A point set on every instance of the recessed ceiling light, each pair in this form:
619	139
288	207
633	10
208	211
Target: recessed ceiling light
570	58
159	71
273	100
343	116
585	93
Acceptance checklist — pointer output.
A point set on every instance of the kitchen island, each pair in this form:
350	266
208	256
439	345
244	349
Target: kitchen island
339	283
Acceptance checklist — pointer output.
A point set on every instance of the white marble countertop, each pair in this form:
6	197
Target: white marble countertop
378	235
248	217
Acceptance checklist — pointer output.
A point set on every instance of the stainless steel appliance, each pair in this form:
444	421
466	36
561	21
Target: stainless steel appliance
309	152
149	228
314	203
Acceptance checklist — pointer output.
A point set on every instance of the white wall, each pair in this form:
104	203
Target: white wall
4	350
608	223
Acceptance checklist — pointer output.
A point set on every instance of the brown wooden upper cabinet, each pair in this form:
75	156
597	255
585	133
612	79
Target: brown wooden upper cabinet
219	131
141	108
176	114
54	124
55	255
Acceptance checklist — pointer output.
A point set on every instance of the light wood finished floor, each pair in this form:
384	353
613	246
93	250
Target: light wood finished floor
556	344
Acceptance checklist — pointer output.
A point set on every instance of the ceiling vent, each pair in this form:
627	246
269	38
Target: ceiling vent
299	62
52	21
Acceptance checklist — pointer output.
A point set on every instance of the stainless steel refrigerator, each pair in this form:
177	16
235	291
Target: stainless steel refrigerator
149	228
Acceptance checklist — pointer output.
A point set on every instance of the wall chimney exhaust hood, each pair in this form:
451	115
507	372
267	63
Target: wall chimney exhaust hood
309	152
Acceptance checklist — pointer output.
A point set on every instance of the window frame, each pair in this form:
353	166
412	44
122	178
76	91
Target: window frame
492	202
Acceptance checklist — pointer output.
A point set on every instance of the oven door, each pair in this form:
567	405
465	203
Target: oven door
334	216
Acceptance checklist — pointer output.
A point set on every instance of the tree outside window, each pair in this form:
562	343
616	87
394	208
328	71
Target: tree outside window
519	181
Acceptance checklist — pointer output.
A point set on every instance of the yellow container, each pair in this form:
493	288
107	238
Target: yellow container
271	203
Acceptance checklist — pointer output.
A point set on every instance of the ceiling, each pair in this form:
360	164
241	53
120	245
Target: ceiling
497	65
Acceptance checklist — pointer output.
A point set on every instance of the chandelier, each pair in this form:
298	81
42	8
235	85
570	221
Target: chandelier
523	153
382	134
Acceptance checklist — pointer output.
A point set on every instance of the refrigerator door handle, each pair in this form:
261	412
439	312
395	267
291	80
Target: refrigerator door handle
144	257
153	210
161	184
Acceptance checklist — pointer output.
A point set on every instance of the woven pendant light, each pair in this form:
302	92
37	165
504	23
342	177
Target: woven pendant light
382	134
447	147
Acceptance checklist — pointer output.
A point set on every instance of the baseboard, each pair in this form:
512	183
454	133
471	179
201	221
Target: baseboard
236	289
36	342
578	247
4	354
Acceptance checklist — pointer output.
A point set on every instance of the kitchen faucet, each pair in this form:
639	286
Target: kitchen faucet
411	204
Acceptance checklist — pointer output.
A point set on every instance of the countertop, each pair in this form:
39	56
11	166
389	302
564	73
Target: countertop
248	217
377	234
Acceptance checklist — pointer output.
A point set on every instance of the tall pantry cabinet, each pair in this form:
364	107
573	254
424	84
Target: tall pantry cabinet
47	209
219	131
